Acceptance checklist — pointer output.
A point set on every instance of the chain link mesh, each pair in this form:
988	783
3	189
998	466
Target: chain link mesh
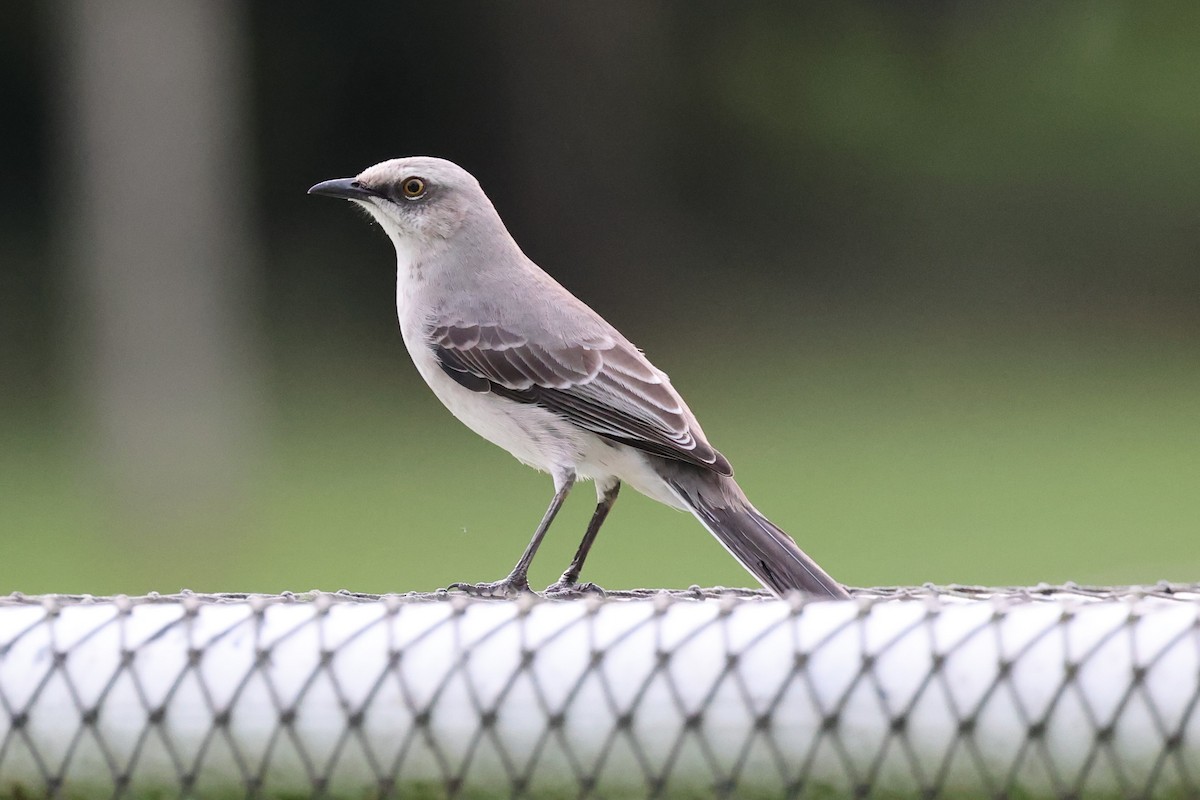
1050	691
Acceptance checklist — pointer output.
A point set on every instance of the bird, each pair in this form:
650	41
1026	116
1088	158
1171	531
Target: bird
528	366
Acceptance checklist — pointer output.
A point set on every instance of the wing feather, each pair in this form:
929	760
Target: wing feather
604	386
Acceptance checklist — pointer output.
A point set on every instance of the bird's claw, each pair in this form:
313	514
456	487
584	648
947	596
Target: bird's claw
507	589
565	590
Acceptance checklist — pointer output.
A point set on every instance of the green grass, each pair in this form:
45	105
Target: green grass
933	455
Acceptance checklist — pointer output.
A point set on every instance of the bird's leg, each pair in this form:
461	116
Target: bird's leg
518	580
567	583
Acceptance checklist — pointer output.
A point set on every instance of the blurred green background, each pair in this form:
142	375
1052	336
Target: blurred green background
927	273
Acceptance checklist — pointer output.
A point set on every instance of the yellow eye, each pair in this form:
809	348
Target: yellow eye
413	188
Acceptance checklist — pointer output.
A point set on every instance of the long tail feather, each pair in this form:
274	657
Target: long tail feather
760	545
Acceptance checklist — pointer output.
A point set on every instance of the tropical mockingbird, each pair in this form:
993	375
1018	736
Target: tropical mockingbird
526	365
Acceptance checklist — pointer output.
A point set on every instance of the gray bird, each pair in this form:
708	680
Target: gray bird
528	366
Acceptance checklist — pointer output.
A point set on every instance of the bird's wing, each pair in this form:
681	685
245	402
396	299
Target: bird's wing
603	384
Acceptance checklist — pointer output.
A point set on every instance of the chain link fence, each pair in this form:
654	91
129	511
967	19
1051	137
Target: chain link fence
932	692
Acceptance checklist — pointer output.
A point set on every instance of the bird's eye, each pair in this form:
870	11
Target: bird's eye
413	188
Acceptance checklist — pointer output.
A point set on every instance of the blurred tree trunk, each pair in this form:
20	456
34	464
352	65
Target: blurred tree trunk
155	211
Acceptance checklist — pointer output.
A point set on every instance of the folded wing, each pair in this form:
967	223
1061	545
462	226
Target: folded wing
602	385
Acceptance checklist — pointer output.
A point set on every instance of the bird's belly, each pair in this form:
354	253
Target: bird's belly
532	435
538	437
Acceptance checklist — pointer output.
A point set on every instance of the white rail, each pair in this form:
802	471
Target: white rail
1058	693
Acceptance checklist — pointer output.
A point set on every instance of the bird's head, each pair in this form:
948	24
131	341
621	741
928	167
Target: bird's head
415	200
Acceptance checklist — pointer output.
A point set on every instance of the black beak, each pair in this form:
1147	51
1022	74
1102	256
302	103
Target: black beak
345	188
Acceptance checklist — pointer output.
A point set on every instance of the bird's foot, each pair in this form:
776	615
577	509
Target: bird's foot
568	589
510	588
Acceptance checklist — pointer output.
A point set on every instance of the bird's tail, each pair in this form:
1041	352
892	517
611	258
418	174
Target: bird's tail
759	544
